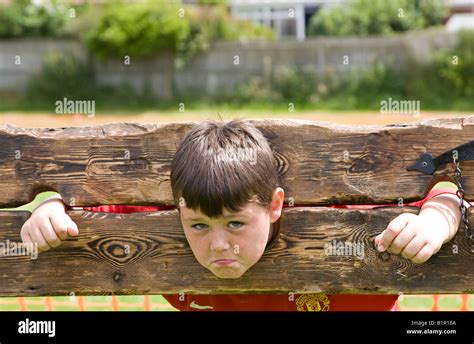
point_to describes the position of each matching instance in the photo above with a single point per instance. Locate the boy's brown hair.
(221, 165)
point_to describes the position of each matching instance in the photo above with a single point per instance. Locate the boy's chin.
(228, 273)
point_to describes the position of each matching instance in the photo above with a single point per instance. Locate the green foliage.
(213, 2)
(365, 87)
(62, 76)
(292, 84)
(377, 17)
(138, 29)
(212, 24)
(295, 84)
(144, 29)
(85, 17)
(23, 19)
(255, 90)
(432, 12)
(446, 81)
(456, 67)
(448, 75)
(362, 88)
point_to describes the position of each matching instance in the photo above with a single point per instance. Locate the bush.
(377, 17)
(213, 2)
(139, 29)
(446, 81)
(291, 84)
(255, 90)
(456, 67)
(64, 76)
(23, 19)
(209, 24)
(447, 78)
(86, 17)
(61, 76)
(360, 89)
(366, 87)
(295, 84)
(145, 29)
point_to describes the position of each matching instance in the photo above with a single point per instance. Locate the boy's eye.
(199, 226)
(235, 224)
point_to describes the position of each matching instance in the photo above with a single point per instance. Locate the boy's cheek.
(199, 254)
(197, 250)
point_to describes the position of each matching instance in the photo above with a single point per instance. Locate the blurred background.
(90, 62)
(360, 61)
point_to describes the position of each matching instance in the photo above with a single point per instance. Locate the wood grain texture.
(147, 253)
(319, 163)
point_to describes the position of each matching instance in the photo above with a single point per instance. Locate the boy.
(225, 186)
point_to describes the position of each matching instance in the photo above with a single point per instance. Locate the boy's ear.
(276, 205)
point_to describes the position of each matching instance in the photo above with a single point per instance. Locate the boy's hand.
(418, 237)
(48, 225)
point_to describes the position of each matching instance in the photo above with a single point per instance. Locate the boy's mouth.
(223, 262)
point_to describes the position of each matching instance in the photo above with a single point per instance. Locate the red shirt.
(277, 302)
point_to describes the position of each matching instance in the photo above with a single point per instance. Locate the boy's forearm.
(446, 208)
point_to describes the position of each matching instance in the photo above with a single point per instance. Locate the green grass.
(66, 309)
(118, 106)
(449, 302)
(13, 307)
(407, 302)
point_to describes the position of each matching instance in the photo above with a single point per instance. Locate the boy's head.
(225, 184)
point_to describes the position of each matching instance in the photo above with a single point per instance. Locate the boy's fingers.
(24, 231)
(37, 237)
(393, 229)
(64, 226)
(72, 229)
(377, 240)
(49, 234)
(60, 226)
(25, 236)
(413, 247)
(402, 239)
(424, 254)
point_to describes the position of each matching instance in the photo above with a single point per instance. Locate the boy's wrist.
(442, 217)
(54, 198)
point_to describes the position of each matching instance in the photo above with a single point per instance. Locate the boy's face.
(228, 246)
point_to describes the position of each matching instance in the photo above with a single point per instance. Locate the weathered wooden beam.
(320, 163)
(147, 253)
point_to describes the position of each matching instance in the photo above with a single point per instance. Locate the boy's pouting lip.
(232, 243)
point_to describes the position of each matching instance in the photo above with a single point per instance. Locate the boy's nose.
(219, 241)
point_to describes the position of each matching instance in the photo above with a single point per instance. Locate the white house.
(286, 18)
(289, 19)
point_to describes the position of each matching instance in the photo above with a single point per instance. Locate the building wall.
(226, 64)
